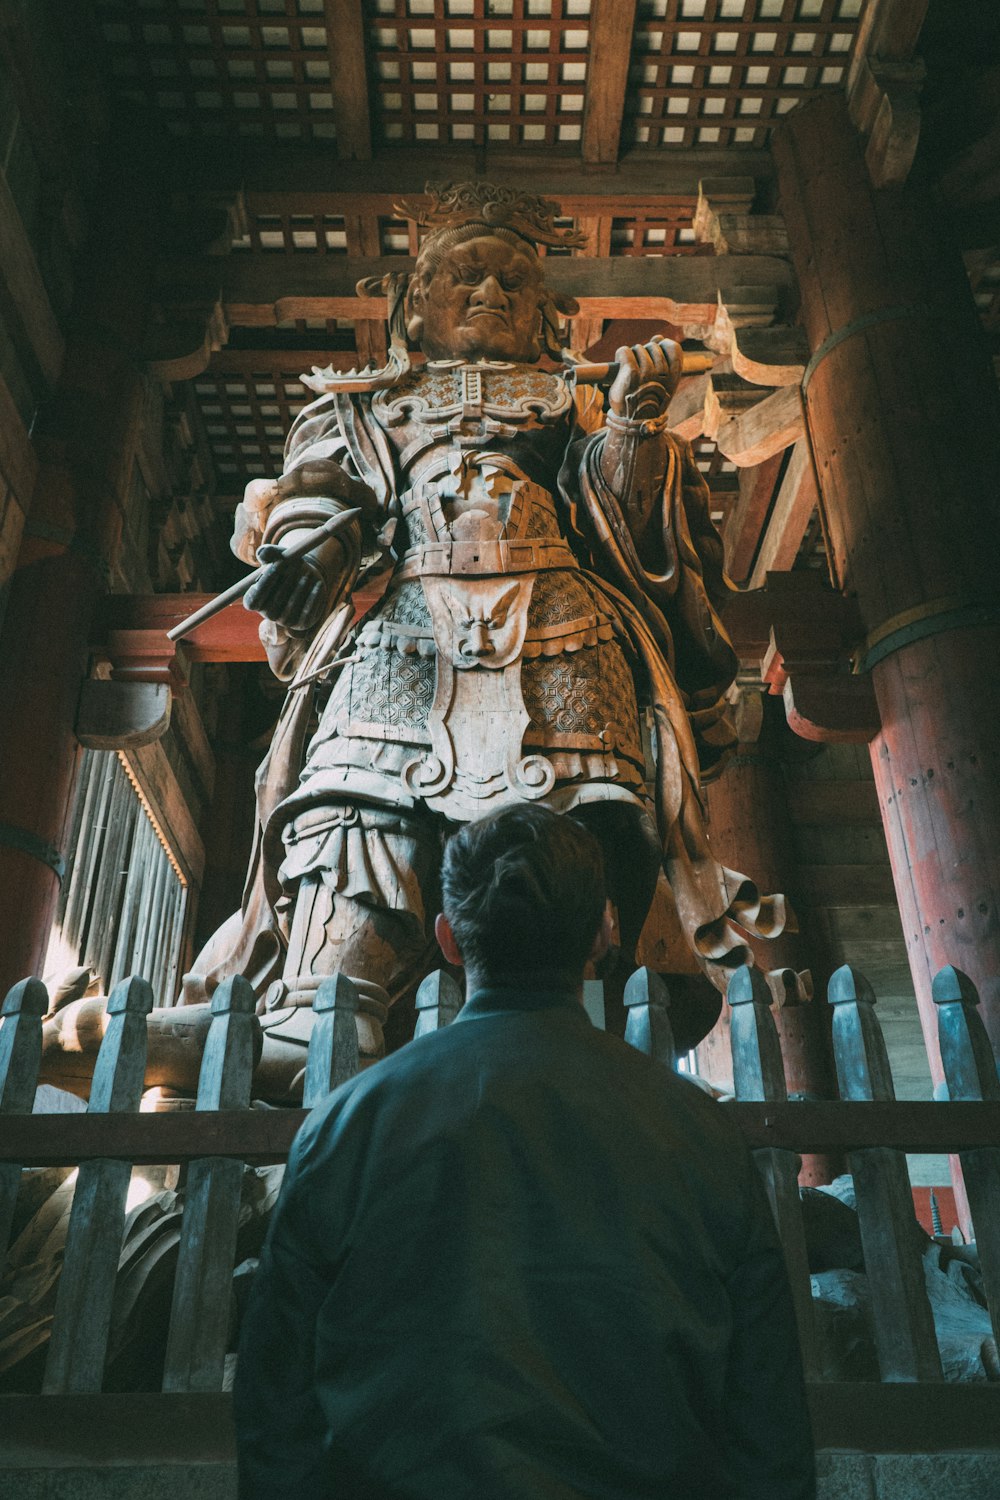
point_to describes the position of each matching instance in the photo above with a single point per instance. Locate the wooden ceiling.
(331, 109)
(524, 73)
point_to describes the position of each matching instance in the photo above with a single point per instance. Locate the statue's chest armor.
(472, 406)
(491, 650)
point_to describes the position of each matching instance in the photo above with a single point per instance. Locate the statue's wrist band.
(641, 426)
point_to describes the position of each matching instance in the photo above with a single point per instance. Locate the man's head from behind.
(523, 897)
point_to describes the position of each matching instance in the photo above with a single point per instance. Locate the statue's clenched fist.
(292, 593)
(647, 378)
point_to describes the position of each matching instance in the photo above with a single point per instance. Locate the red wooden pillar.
(904, 419)
(749, 828)
(86, 437)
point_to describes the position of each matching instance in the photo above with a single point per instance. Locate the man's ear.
(603, 936)
(446, 941)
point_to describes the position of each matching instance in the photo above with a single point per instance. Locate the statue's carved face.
(482, 302)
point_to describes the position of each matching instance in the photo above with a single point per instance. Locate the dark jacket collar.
(492, 999)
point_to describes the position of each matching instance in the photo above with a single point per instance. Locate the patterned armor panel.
(494, 667)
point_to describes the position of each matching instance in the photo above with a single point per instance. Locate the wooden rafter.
(611, 24)
(345, 45)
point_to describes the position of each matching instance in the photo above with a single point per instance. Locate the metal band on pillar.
(933, 618)
(859, 325)
(12, 837)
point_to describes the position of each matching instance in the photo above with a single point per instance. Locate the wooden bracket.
(883, 87)
(191, 329)
(122, 715)
(801, 634)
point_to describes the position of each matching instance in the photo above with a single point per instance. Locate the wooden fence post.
(439, 1000)
(904, 1326)
(647, 1026)
(79, 1341)
(333, 1047)
(759, 1074)
(202, 1300)
(971, 1072)
(20, 1055)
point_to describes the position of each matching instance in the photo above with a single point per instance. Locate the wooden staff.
(691, 364)
(297, 549)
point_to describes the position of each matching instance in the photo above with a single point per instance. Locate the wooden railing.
(221, 1133)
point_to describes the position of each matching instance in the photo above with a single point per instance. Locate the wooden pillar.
(85, 437)
(904, 419)
(749, 827)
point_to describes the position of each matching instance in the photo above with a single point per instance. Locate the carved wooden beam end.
(883, 88)
(801, 634)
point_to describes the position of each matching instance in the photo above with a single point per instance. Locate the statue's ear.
(564, 304)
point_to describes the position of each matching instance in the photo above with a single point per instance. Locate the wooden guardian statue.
(552, 571)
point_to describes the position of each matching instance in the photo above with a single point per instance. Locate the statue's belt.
(484, 557)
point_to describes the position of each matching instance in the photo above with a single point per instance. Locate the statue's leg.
(363, 897)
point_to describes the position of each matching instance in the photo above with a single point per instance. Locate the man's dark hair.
(524, 891)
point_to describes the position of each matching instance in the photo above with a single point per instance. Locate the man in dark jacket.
(518, 1259)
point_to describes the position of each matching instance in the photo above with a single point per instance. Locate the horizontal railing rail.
(264, 1137)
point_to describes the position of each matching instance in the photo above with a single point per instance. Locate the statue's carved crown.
(455, 204)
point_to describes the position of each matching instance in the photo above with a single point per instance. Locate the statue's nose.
(478, 642)
(489, 293)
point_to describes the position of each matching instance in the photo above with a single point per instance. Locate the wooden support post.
(201, 1312)
(439, 1000)
(758, 1074)
(84, 1301)
(20, 1055)
(890, 1237)
(750, 827)
(904, 418)
(333, 1046)
(648, 1028)
(970, 1070)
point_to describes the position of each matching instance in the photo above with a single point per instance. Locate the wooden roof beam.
(611, 26)
(259, 291)
(402, 171)
(349, 79)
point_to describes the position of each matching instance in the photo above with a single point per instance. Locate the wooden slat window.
(121, 907)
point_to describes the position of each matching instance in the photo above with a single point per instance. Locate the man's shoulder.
(557, 1048)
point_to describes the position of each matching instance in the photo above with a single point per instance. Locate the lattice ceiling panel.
(507, 72)
(722, 72)
(251, 68)
(246, 414)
